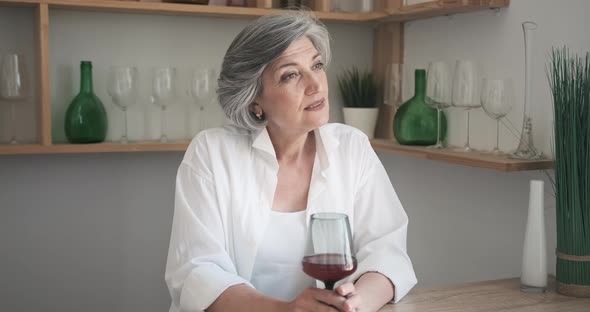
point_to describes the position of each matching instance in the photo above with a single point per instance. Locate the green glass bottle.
(415, 123)
(86, 118)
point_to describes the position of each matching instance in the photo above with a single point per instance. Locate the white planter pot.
(364, 119)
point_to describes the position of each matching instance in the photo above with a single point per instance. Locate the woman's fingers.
(346, 289)
(352, 303)
(329, 297)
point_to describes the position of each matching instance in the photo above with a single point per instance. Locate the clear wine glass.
(392, 92)
(465, 91)
(14, 85)
(329, 255)
(202, 90)
(163, 93)
(496, 100)
(438, 92)
(122, 88)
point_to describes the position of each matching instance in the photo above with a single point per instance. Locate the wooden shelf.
(388, 48)
(440, 8)
(404, 13)
(186, 9)
(466, 159)
(108, 147)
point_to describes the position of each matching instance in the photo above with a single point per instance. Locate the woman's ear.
(257, 110)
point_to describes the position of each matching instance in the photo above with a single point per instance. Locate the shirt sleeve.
(380, 227)
(198, 268)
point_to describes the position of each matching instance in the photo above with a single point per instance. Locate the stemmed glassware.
(438, 92)
(122, 88)
(496, 96)
(163, 93)
(202, 90)
(465, 91)
(392, 92)
(14, 85)
(329, 256)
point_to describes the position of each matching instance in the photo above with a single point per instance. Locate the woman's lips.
(316, 105)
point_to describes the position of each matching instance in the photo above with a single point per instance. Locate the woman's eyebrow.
(294, 64)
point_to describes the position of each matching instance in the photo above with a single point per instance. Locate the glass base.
(464, 149)
(497, 152)
(164, 139)
(532, 289)
(438, 145)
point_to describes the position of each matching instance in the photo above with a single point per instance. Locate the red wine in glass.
(329, 249)
(329, 268)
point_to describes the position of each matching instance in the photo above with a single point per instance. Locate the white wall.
(90, 232)
(466, 223)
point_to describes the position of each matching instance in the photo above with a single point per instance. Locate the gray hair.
(254, 48)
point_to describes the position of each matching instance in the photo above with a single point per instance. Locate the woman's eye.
(288, 76)
(318, 66)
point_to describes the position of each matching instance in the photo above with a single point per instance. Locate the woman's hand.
(353, 298)
(318, 300)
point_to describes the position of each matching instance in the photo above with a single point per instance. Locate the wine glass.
(496, 101)
(122, 88)
(329, 249)
(164, 91)
(392, 92)
(202, 89)
(14, 85)
(465, 91)
(438, 92)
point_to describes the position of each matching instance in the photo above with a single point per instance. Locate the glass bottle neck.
(86, 78)
(420, 83)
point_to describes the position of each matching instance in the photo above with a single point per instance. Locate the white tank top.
(277, 268)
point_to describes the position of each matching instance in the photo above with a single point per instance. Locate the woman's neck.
(291, 147)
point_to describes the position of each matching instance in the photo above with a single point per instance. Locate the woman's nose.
(314, 84)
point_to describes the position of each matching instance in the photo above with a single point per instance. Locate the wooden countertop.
(498, 295)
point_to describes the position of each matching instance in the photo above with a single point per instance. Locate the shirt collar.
(326, 143)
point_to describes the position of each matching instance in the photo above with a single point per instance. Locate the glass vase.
(415, 123)
(86, 118)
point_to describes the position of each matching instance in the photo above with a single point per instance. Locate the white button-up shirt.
(224, 192)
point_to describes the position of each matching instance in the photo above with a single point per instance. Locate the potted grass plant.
(359, 98)
(569, 79)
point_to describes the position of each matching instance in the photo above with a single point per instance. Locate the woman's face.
(294, 95)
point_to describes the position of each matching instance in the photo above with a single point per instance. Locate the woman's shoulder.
(217, 140)
(346, 135)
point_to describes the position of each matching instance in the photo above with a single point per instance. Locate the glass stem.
(438, 125)
(163, 137)
(329, 285)
(13, 118)
(467, 144)
(124, 138)
(498, 135)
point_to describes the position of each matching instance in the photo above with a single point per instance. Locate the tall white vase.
(534, 253)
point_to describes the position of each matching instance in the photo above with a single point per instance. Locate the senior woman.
(245, 192)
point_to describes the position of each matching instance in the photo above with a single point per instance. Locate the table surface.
(497, 295)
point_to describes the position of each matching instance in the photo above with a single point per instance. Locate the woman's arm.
(380, 229)
(371, 292)
(245, 299)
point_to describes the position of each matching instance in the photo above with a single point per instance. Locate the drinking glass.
(329, 249)
(438, 92)
(163, 93)
(392, 92)
(122, 88)
(202, 90)
(465, 91)
(496, 101)
(14, 85)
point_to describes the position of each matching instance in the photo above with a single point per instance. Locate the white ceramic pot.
(364, 119)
